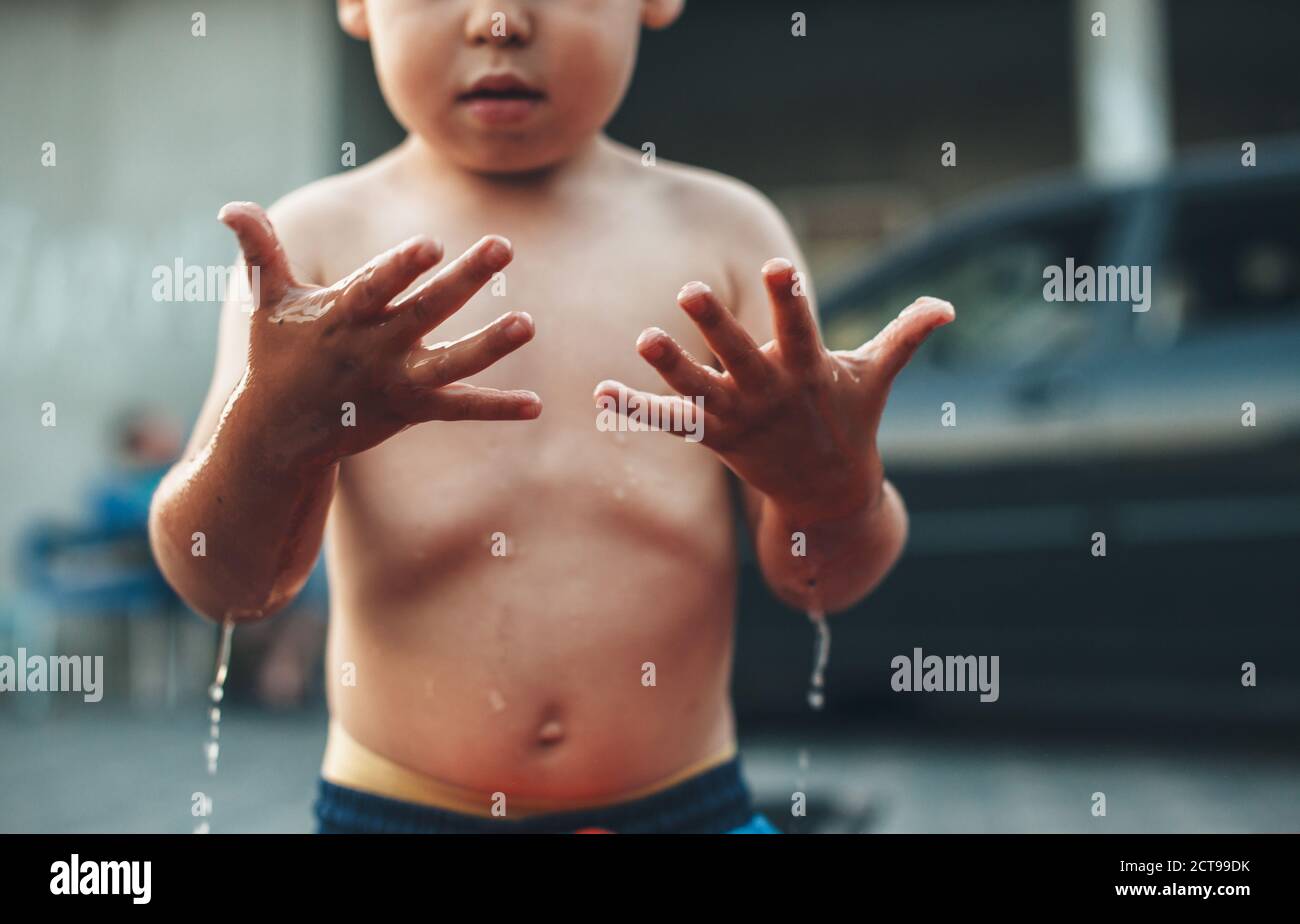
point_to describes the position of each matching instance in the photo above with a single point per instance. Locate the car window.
(1233, 258)
(995, 281)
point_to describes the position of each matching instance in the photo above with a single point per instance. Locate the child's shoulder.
(726, 214)
(308, 219)
(710, 197)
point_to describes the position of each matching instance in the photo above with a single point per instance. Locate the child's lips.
(501, 98)
(498, 111)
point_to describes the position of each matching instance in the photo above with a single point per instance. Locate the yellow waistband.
(350, 763)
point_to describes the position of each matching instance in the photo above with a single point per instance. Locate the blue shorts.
(716, 801)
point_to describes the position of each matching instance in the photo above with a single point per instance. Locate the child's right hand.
(336, 370)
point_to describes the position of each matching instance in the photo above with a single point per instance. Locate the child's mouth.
(501, 98)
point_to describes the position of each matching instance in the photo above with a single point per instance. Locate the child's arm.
(797, 423)
(313, 375)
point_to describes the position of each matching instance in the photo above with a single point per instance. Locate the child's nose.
(498, 22)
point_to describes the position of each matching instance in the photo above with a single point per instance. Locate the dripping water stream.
(821, 654)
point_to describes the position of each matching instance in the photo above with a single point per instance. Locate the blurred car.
(1079, 418)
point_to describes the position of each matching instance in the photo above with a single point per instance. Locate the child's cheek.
(593, 68)
(413, 73)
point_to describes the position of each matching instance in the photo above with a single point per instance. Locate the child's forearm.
(842, 560)
(236, 529)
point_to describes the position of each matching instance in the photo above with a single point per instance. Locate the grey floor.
(107, 771)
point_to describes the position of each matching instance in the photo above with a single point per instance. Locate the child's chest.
(591, 289)
(591, 292)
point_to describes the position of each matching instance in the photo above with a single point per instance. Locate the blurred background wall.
(153, 129)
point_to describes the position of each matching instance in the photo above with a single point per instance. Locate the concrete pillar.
(1123, 86)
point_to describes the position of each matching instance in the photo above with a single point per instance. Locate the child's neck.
(424, 162)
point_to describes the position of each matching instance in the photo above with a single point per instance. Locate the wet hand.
(318, 353)
(794, 420)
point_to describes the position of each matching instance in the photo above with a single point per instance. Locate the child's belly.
(537, 609)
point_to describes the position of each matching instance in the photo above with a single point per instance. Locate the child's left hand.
(794, 420)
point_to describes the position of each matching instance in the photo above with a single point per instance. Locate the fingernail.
(497, 249)
(650, 344)
(532, 406)
(421, 246)
(776, 264)
(691, 293)
(226, 210)
(518, 329)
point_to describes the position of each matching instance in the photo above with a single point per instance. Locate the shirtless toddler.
(502, 570)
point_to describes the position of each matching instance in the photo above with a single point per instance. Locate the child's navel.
(551, 733)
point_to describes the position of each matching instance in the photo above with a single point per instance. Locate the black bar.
(544, 873)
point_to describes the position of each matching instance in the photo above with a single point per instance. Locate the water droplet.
(821, 654)
(217, 692)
